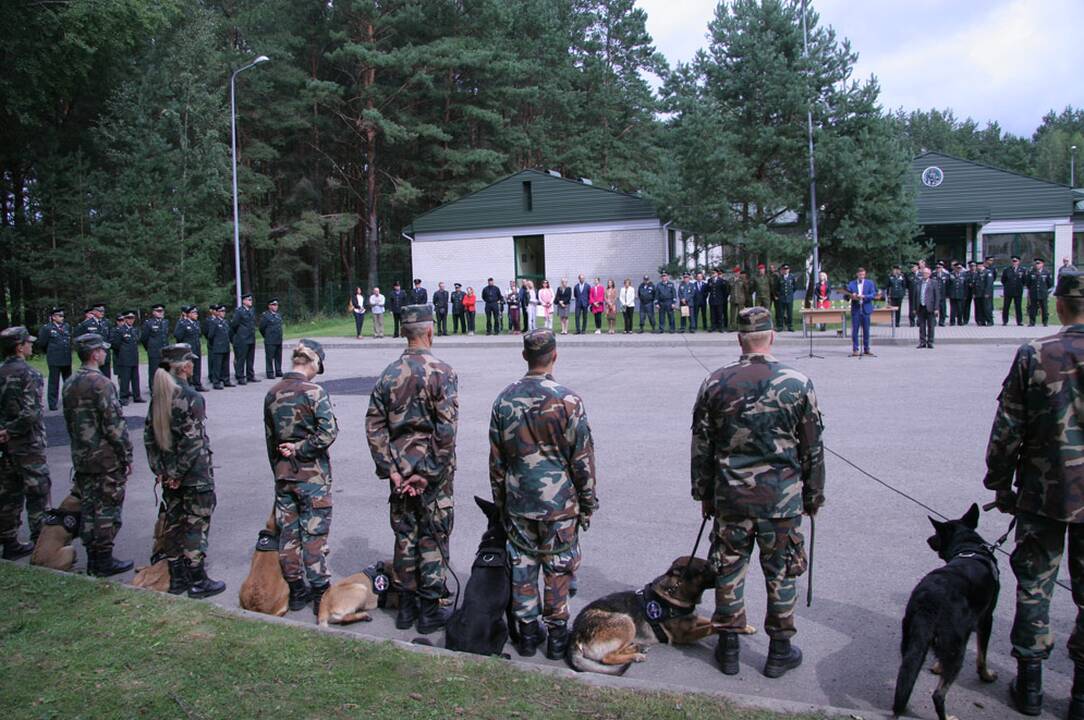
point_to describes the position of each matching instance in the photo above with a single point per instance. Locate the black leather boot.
(179, 581)
(557, 642)
(299, 594)
(203, 586)
(408, 610)
(1076, 702)
(317, 595)
(13, 549)
(782, 656)
(1027, 689)
(531, 636)
(433, 616)
(727, 653)
(103, 564)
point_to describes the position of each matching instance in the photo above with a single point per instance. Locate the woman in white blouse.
(376, 309)
(532, 305)
(627, 299)
(357, 305)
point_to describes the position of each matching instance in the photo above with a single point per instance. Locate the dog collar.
(380, 580)
(69, 520)
(267, 542)
(658, 610)
(983, 553)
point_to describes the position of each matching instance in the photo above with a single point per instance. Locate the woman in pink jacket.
(545, 299)
(597, 300)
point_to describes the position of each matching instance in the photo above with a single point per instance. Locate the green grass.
(74, 648)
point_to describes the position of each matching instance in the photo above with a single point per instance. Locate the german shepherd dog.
(348, 600)
(613, 632)
(481, 625)
(264, 590)
(54, 546)
(946, 607)
(156, 575)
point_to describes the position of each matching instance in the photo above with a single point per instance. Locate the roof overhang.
(1011, 227)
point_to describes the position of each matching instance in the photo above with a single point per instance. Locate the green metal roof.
(554, 201)
(971, 192)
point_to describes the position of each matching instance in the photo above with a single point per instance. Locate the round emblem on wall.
(932, 176)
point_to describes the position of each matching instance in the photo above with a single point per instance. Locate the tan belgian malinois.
(54, 546)
(348, 600)
(264, 590)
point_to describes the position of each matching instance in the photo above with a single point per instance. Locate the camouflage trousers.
(556, 549)
(101, 497)
(421, 540)
(23, 480)
(782, 560)
(186, 521)
(1040, 543)
(303, 514)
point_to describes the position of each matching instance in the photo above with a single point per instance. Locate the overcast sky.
(1008, 61)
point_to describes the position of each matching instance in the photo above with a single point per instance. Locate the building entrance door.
(530, 257)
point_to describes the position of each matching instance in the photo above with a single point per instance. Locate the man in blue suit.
(861, 292)
(582, 294)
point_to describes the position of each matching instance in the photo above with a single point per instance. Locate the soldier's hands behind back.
(707, 507)
(1005, 501)
(286, 449)
(583, 522)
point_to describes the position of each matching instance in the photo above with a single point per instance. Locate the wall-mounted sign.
(932, 176)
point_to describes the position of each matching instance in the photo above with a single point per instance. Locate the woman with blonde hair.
(545, 301)
(179, 454)
(611, 306)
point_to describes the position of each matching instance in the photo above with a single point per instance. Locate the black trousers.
(581, 319)
(152, 364)
(244, 360)
(359, 323)
(700, 314)
(980, 310)
(128, 382)
(57, 374)
(1007, 302)
(688, 322)
(220, 368)
(897, 303)
(648, 313)
(272, 357)
(627, 312)
(955, 316)
(927, 321)
(965, 313)
(442, 322)
(459, 323)
(942, 312)
(784, 313)
(493, 321)
(1035, 307)
(988, 309)
(598, 320)
(470, 320)
(197, 371)
(107, 366)
(395, 324)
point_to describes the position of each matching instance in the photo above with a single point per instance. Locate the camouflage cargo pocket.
(796, 559)
(444, 515)
(112, 489)
(318, 521)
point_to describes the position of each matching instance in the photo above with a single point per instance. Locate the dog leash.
(1012, 525)
(696, 546)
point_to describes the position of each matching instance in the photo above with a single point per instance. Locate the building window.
(1025, 245)
(528, 201)
(1078, 250)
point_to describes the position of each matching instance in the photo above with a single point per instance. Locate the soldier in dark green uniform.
(740, 290)
(1039, 283)
(188, 331)
(55, 343)
(24, 474)
(217, 331)
(757, 465)
(785, 286)
(1036, 438)
(762, 288)
(300, 427)
(125, 342)
(243, 337)
(896, 289)
(101, 455)
(179, 454)
(957, 291)
(154, 335)
(411, 427)
(271, 332)
(542, 471)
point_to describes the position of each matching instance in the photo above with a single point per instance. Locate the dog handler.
(1036, 437)
(300, 426)
(542, 470)
(101, 454)
(179, 454)
(411, 427)
(757, 465)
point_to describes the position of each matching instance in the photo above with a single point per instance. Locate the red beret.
(760, 266)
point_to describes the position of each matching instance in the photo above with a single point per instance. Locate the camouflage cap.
(754, 319)
(176, 353)
(316, 348)
(14, 336)
(90, 341)
(539, 342)
(1070, 284)
(416, 314)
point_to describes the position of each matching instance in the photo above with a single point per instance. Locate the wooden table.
(880, 316)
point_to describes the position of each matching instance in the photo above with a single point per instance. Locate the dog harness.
(983, 553)
(267, 542)
(380, 580)
(69, 520)
(658, 610)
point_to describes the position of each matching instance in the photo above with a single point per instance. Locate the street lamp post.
(1072, 166)
(812, 164)
(233, 147)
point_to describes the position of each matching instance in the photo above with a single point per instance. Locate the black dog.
(947, 606)
(481, 625)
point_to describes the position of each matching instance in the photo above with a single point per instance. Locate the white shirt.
(359, 308)
(376, 304)
(627, 296)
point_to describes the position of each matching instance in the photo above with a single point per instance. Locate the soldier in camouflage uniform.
(179, 454)
(542, 470)
(740, 289)
(411, 427)
(300, 427)
(95, 322)
(101, 454)
(757, 465)
(24, 475)
(1037, 438)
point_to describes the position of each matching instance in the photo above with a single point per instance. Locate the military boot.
(557, 642)
(531, 636)
(317, 595)
(179, 581)
(299, 594)
(13, 549)
(408, 610)
(782, 656)
(1027, 689)
(203, 586)
(433, 616)
(101, 563)
(727, 653)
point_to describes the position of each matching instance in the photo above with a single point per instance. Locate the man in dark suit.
(582, 295)
(271, 332)
(419, 295)
(718, 295)
(154, 335)
(459, 316)
(492, 296)
(1013, 280)
(861, 292)
(55, 342)
(785, 285)
(440, 309)
(942, 276)
(930, 294)
(969, 293)
(700, 310)
(1039, 283)
(243, 336)
(217, 331)
(187, 330)
(984, 291)
(397, 300)
(125, 344)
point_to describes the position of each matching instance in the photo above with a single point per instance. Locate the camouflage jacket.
(21, 412)
(541, 455)
(298, 411)
(756, 448)
(739, 291)
(762, 286)
(189, 460)
(412, 418)
(99, 434)
(1037, 433)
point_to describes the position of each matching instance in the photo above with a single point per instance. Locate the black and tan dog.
(613, 632)
(348, 600)
(948, 605)
(54, 546)
(264, 590)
